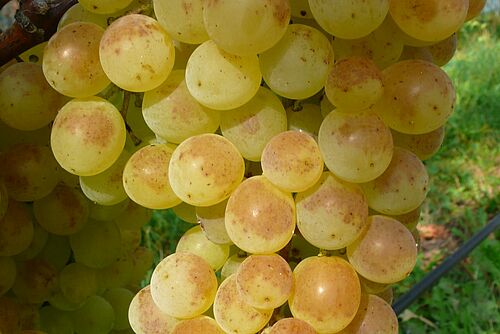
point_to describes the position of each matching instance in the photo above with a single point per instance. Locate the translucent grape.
(211, 220)
(40, 237)
(53, 320)
(104, 7)
(443, 51)
(220, 80)
(292, 326)
(137, 123)
(142, 261)
(297, 66)
(134, 217)
(35, 54)
(201, 324)
(56, 251)
(308, 119)
(327, 293)
(77, 13)
(183, 285)
(475, 8)
(10, 136)
(136, 53)
(260, 218)
(401, 188)
(409, 219)
(205, 169)
(36, 281)
(146, 318)
(117, 274)
(385, 252)
(130, 240)
(77, 282)
(27, 102)
(71, 60)
(430, 20)
(423, 145)
(16, 229)
(232, 264)
(120, 299)
(387, 295)
(233, 314)
(246, 27)
(65, 211)
(326, 106)
(108, 212)
(418, 97)
(96, 316)
(349, 19)
(173, 114)
(186, 212)
(410, 52)
(355, 147)
(300, 8)
(8, 274)
(88, 136)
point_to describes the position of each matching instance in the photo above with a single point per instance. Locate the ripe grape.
(307, 119)
(108, 212)
(53, 320)
(57, 251)
(142, 260)
(8, 273)
(95, 316)
(443, 51)
(186, 212)
(423, 145)
(232, 264)
(77, 282)
(77, 13)
(36, 281)
(40, 237)
(201, 324)
(120, 299)
(134, 217)
(292, 326)
(211, 220)
(16, 229)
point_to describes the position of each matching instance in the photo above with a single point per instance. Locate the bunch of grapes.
(291, 133)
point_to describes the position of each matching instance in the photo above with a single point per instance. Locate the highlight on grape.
(290, 133)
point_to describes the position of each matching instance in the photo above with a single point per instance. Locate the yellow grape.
(354, 84)
(104, 6)
(35, 54)
(182, 19)
(88, 136)
(183, 285)
(252, 125)
(40, 237)
(137, 123)
(349, 19)
(332, 214)
(401, 188)
(136, 53)
(16, 229)
(142, 261)
(475, 8)
(232, 264)
(173, 114)
(36, 281)
(423, 145)
(205, 169)
(186, 212)
(246, 27)
(145, 177)
(53, 320)
(264, 281)
(95, 316)
(370, 287)
(385, 252)
(117, 274)
(327, 293)
(443, 51)
(387, 295)
(409, 219)
(411, 52)
(201, 324)
(211, 220)
(29, 171)
(8, 274)
(356, 147)
(194, 241)
(134, 217)
(292, 161)
(56, 251)
(297, 66)
(27, 102)
(108, 212)
(307, 119)
(63, 212)
(77, 13)
(146, 318)
(292, 326)
(71, 60)
(430, 20)
(77, 282)
(260, 218)
(220, 80)
(300, 8)
(130, 240)
(233, 314)
(120, 299)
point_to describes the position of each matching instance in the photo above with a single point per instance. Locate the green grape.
(371, 287)
(69, 180)
(97, 245)
(117, 274)
(10, 136)
(71, 60)
(418, 97)
(300, 249)
(349, 19)
(104, 6)
(35, 54)
(96, 316)
(16, 229)
(252, 125)
(120, 299)
(142, 261)
(63, 212)
(385, 252)
(246, 27)
(131, 239)
(233, 314)
(201, 324)
(56, 251)
(40, 237)
(183, 52)
(443, 51)
(137, 123)
(77, 13)
(60, 302)
(186, 212)
(173, 114)
(29, 171)
(182, 19)
(300, 8)
(4, 199)
(354, 84)
(134, 217)
(136, 53)
(401, 188)
(108, 212)
(430, 20)
(292, 161)
(475, 8)
(375, 315)
(88, 136)
(145, 177)
(183, 285)
(423, 145)
(232, 264)
(27, 102)
(78, 282)
(36, 281)
(264, 281)
(307, 119)
(211, 220)
(326, 107)
(252, 168)
(220, 80)
(194, 241)
(409, 219)
(356, 147)
(297, 66)
(260, 218)
(410, 52)
(146, 318)
(106, 188)
(205, 169)
(8, 274)
(292, 326)
(323, 284)
(332, 214)
(53, 320)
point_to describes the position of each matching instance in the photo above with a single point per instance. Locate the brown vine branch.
(36, 21)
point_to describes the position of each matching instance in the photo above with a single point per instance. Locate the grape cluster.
(291, 133)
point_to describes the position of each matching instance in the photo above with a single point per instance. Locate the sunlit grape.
(232, 264)
(77, 13)
(104, 7)
(211, 220)
(201, 324)
(292, 326)
(16, 229)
